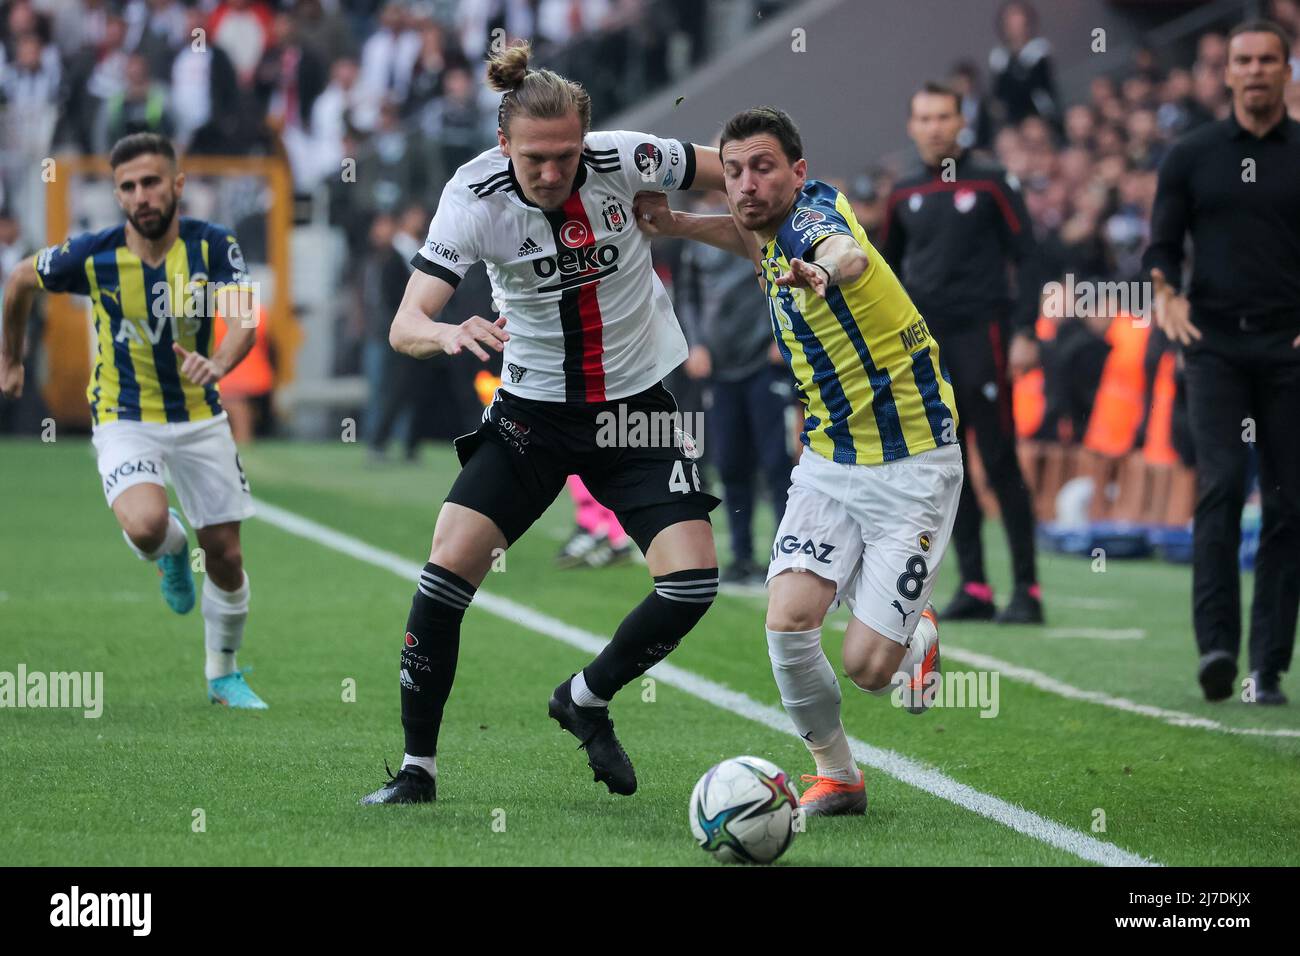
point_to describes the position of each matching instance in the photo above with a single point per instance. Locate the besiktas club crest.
(614, 214)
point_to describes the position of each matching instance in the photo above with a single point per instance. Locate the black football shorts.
(630, 453)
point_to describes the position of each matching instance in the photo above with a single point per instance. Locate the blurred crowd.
(321, 79)
(1087, 170)
(395, 87)
(372, 103)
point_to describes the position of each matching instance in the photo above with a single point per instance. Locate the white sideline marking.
(1100, 633)
(1027, 675)
(1085, 603)
(909, 771)
(1175, 718)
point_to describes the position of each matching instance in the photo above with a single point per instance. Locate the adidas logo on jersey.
(529, 248)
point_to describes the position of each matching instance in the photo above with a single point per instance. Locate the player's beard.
(156, 227)
(772, 222)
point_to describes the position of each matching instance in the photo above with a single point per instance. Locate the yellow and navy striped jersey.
(140, 310)
(866, 367)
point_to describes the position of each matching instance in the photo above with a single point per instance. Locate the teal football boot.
(233, 691)
(177, 578)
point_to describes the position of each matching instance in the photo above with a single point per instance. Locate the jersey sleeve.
(648, 162)
(452, 245)
(812, 221)
(226, 264)
(62, 268)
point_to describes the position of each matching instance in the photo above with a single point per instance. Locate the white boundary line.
(1175, 718)
(909, 771)
(1046, 682)
(1097, 633)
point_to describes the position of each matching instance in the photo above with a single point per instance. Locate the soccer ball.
(744, 810)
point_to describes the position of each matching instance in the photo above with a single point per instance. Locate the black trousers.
(977, 365)
(1237, 379)
(747, 432)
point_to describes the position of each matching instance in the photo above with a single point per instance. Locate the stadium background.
(324, 132)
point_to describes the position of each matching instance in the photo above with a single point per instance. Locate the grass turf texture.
(280, 787)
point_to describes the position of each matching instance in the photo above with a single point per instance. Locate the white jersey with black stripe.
(588, 318)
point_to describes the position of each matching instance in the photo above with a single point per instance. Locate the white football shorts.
(877, 531)
(199, 459)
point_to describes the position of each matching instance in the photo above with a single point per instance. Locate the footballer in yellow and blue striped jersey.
(866, 366)
(874, 495)
(156, 285)
(140, 310)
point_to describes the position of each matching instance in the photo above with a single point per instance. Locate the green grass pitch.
(281, 786)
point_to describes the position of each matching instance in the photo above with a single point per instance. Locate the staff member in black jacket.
(1235, 186)
(954, 229)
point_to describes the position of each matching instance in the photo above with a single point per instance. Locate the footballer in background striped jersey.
(156, 284)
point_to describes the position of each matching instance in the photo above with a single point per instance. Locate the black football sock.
(429, 653)
(654, 627)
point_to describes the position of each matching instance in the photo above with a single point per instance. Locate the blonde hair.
(540, 94)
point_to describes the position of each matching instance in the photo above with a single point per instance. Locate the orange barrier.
(485, 385)
(1149, 486)
(1159, 447)
(1117, 409)
(254, 375)
(1028, 398)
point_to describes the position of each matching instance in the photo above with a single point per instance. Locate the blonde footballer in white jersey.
(588, 333)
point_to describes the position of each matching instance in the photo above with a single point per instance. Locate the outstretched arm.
(657, 219)
(19, 292)
(416, 332)
(837, 260)
(708, 169)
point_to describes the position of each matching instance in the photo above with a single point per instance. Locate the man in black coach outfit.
(953, 231)
(1235, 186)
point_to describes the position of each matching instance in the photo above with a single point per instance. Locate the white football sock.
(581, 693)
(175, 540)
(224, 614)
(428, 764)
(810, 694)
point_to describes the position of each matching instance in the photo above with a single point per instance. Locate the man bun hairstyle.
(538, 94)
(765, 119)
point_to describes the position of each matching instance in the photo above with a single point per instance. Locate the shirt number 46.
(677, 480)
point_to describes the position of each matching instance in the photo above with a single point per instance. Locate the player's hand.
(473, 331)
(1173, 314)
(11, 376)
(1023, 355)
(699, 364)
(199, 369)
(804, 275)
(652, 213)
